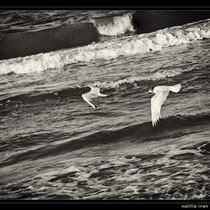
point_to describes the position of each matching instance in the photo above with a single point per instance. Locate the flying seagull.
(161, 93)
(93, 93)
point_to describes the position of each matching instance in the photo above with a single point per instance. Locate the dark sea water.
(54, 146)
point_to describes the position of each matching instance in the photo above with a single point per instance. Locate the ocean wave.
(37, 96)
(43, 38)
(173, 127)
(68, 29)
(133, 81)
(125, 46)
(47, 40)
(136, 80)
(114, 25)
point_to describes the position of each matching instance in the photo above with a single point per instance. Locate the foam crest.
(117, 26)
(133, 80)
(29, 64)
(125, 46)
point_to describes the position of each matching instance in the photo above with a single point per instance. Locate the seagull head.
(151, 90)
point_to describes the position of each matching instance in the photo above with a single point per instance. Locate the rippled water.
(54, 146)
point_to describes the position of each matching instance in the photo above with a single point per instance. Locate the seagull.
(161, 93)
(93, 93)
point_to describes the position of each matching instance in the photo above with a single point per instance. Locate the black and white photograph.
(102, 104)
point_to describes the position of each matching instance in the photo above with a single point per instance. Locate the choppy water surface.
(54, 146)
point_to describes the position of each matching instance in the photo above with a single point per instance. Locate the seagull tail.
(175, 88)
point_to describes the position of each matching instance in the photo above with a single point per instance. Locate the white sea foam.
(125, 46)
(119, 25)
(134, 79)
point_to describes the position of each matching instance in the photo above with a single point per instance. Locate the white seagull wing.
(156, 102)
(87, 97)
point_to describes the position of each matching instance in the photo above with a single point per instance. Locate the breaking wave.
(115, 25)
(125, 46)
